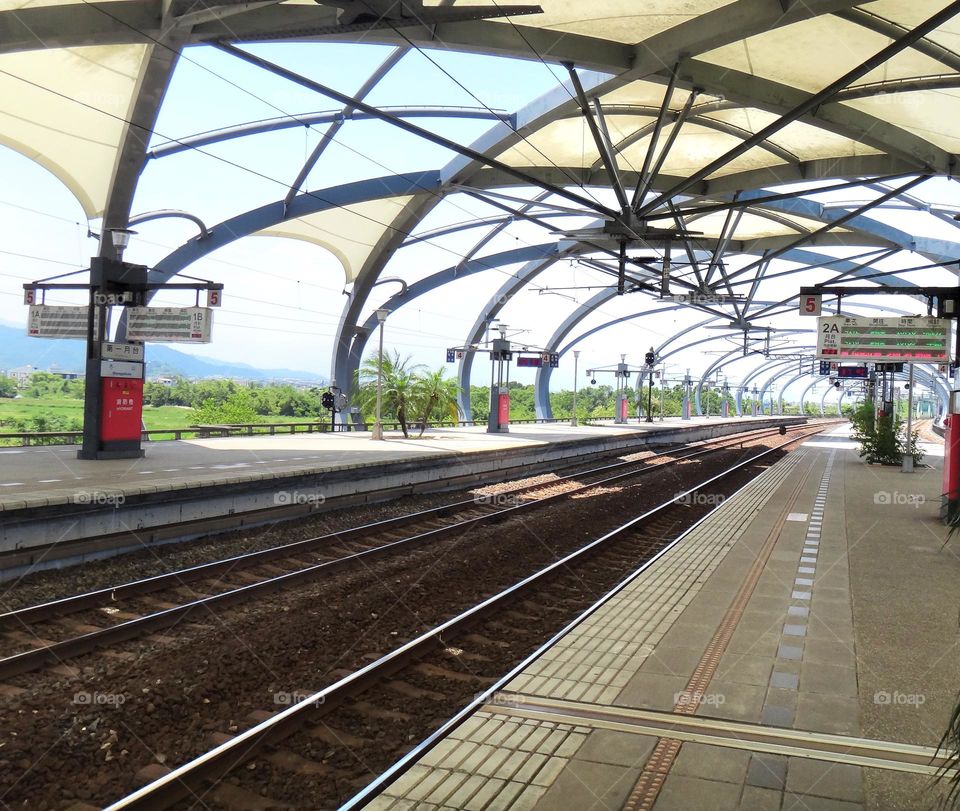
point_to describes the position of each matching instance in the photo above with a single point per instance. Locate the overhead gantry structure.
(730, 153)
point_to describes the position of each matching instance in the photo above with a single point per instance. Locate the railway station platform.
(53, 503)
(797, 650)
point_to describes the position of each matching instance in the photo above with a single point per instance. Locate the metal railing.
(30, 438)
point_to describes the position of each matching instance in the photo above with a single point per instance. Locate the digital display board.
(46, 321)
(915, 339)
(852, 372)
(551, 359)
(169, 324)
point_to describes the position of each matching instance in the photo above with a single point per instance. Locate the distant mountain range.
(16, 350)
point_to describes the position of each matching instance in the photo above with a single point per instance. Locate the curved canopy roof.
(745, 146)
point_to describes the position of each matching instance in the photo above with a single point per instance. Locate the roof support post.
(600, 136)
(678, 123)
(646, 175)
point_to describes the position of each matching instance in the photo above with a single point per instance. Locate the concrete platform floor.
(844, 595)
(51, 472)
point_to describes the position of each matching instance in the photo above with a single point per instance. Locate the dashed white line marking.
(49, 481)
(11, 484)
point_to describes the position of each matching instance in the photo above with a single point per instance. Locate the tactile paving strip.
(597, 658)
(491, 761)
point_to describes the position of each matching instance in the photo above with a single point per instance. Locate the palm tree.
(436, 393)
(399, 381)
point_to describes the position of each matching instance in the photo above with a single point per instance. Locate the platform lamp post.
(382, 314)
(576, 358)
(651, 359)
(906, 462)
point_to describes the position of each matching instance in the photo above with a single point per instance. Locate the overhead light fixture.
(120, 237)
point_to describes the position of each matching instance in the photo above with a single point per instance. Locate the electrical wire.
(245, 90)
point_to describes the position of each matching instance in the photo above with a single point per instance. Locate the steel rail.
(59, 652)
(124, 540)
(110, 595)
(190, 777)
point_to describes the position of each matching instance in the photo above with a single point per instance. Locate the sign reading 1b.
(169, 324)
(892, 340)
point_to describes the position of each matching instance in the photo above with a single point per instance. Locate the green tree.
(437, 395)
(237, 409)
(8, 387)
(399, 396)
(881, 437)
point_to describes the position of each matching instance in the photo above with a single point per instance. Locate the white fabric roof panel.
(803, 140)
(650, 94)
(566, 142)
(696, 147)
(349, 233)
(931, 114)
(624, 21)
(809, 55)
(74, 127)
(910, 13)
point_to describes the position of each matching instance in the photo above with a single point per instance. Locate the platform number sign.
(29, 295)
(214, 298)
(811, 305)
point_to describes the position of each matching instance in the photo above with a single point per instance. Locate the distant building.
(56, 370)
(22, 375)
(165, 381)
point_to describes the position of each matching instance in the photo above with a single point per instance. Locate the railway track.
(316, 744)
(84, 623)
